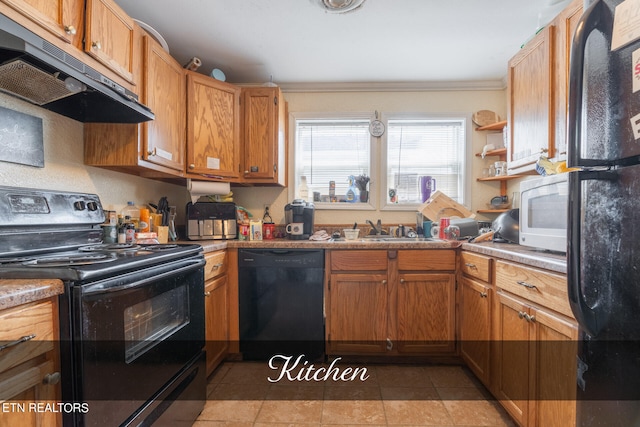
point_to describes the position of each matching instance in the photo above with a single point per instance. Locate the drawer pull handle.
(483, 294)
(51, 379)
(216, 266)
(18, 341)
(389, 344)
(526, 285)
(470, 265)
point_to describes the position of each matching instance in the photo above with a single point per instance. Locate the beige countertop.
(344, 244)
(15, 292)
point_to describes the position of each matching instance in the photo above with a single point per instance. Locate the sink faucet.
(375, 229)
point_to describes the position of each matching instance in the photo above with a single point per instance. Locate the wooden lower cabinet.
(358, 312)
(389, 302)
(534, 363)
(216, 308)
(29, 369)
(475, 326)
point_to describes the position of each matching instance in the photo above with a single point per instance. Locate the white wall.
(254, 199)
(64, 168)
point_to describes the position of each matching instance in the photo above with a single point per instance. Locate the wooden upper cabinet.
(62, 18)
(530, 103)
(110, 37)
(164, 91)
(565, 24)
(213, 128)
(264, 144)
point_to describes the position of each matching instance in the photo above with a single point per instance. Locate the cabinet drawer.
(28, 331)
(474, 265)
(354, 260)
(427, 260)
(541, 287)
(216, 264)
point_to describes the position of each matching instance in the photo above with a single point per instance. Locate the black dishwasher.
(281, 303)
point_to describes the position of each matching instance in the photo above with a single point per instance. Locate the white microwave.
(544, 213)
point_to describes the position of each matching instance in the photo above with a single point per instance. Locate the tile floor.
(239, 395)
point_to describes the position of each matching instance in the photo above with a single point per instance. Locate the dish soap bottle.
(353, 193)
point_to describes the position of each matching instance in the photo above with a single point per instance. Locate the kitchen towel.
(206, 188)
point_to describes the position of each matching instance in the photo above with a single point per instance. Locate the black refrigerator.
(603, 251)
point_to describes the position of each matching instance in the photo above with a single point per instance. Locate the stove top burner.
(110, 247)
(161, 247)
(72, 259)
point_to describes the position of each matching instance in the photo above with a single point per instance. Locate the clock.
(376, 128)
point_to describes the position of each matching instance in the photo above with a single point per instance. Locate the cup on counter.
(426, 228)
(295, 228)
(444, 223)
(110, 233)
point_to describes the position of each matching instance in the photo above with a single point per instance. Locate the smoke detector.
(340, 6)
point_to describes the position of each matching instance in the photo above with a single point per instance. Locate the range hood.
(39, 72)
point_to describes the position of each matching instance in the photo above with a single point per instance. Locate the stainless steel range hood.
(39, 72)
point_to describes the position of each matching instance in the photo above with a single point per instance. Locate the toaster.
(211, 220)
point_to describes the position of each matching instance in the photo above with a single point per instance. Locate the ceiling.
(385, 43)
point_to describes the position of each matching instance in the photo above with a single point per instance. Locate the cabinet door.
(357, 318)
(62, 18)
(165, 93)
(565, 24)
(264, 135)
(110, 37)
(426, 313)
(213, 127)
(554, 385)
(33, 383)
(216, 312)
(475, 327)
(511, 373)
(530, 105)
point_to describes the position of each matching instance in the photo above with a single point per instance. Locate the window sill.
(344, 206)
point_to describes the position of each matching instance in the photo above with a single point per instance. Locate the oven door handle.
(153, 274)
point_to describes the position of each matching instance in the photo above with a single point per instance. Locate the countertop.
(553, 261)
(14, 292)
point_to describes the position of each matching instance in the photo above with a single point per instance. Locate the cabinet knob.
(521, 314)
(401, 280)
(96, 45)
(544, 150)
(51, 379)
(384, 281)
(192, 166)
(246, 172)
(207, 294)
(70, 29)
(529, 318)
(152, 152)
(389, 344)
(483, 294)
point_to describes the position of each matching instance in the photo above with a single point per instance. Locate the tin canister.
(268, 230)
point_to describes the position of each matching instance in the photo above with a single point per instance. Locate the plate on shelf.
(485, 117)
(156, 35)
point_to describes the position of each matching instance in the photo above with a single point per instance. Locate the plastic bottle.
(131, 211)
(353, 193)
(143, 225)
(303, 189)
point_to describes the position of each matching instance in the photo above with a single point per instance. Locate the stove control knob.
(92, 206)
(79, 205)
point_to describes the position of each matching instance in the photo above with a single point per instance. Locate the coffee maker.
(302, 212)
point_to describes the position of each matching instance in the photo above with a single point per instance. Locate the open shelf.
(493, 126)
(499, 178)
(497, 152)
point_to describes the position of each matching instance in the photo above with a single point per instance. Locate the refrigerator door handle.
(592, 319)
(590, 21)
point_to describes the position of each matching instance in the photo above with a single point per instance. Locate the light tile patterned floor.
(239, 395)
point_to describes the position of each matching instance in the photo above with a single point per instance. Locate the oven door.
(132, 335)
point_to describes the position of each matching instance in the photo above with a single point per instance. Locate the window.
(332, 149)
(424, 154)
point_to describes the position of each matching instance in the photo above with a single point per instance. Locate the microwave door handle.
(589, 22)
(594, 318)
